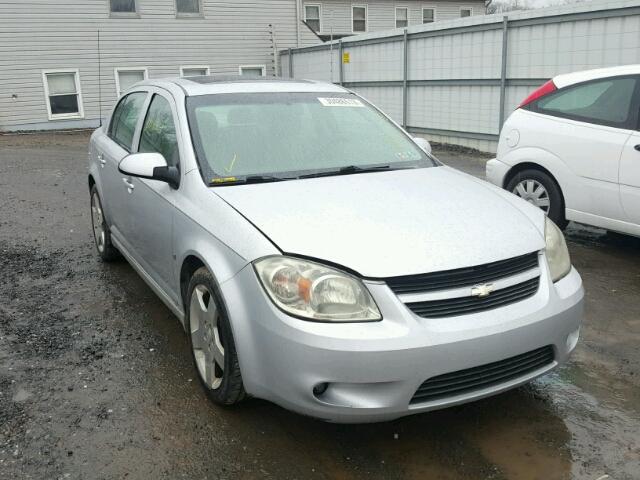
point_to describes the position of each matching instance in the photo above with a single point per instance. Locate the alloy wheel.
(97, 221)
(208, 350)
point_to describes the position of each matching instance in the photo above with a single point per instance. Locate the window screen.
(159, 131)
(188, 6)
(359, 19)
(123, 6)
(312, 16)
(402, 17)
(63, 94)
(251, 71)
(465, 12)
(194, 72)
(428, 15)
(127, 78)
(605, 102)
(125, 119)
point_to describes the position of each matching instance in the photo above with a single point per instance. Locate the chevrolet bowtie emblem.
(482, 290)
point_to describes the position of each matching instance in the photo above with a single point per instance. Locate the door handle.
(130, 186)
(101, 160)
(637, 147)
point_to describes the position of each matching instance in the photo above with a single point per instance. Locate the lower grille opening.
(477, 378)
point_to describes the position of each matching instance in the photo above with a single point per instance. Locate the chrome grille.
(477, 378)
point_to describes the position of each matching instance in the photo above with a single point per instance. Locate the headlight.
(556, 250)
(315, 292)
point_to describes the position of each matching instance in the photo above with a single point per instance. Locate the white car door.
(630, 179)
(587, 126)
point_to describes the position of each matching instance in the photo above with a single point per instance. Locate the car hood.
(393, 223)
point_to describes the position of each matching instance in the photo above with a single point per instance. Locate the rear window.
(604, 102)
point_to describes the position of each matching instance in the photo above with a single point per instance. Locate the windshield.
(276, 136)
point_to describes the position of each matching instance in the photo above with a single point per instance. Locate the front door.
(150, 203)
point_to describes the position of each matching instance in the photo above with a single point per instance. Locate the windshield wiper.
(247, 180)
(349, 170)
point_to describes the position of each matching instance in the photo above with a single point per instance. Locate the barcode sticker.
(340, 102)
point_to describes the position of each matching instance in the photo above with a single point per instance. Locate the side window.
(159, 131)
(604, 102)
(125, 118)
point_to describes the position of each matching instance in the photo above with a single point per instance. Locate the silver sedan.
(320, 257)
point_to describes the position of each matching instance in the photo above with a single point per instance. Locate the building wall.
(63, 34)
(381, 13)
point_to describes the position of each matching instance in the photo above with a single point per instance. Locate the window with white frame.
(466, 12)
(252, 70)
(123, 6)
(62, 91)
(194, 71)
(428, 15)
(189, 7)
(402, 17)
(126, 77)
(312, 16)
(359, 18)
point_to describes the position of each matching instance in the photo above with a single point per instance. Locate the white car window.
(606, 102)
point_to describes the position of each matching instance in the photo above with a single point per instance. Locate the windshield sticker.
(223, 179)
(340, 102)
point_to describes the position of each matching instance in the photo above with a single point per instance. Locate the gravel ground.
(96, 379)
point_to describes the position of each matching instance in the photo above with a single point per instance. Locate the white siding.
(382, 14)
(55, 34)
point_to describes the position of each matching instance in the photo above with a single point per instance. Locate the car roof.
(567, 79)
(210, 84)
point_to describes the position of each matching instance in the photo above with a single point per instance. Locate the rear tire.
(101, 233)
(542, 191)
(211, 340)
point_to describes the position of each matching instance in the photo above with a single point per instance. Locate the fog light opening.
(320, 388)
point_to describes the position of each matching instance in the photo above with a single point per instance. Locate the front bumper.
(374, 369)
(496, 171)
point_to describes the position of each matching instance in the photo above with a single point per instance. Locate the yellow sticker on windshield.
(223, 179)
(340, 102)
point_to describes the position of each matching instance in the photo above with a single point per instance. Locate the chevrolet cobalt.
(320, 257)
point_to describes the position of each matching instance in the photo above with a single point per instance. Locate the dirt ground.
(96, 380)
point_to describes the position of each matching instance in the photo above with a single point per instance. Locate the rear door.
(111, 149)
(587, 127)
(630, 178)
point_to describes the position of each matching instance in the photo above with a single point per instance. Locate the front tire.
(101, 233)
(211, 341)
(542, 191)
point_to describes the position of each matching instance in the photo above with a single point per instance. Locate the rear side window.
(604, 102)
(159, 131)
(125, 119)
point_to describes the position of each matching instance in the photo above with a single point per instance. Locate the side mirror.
(151, 166)
(423, 143)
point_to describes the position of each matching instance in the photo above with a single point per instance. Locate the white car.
(572, 148)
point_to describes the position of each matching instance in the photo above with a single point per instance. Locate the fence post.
(503, 70)
(290, 63)
(405, 68)
(341, 68)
